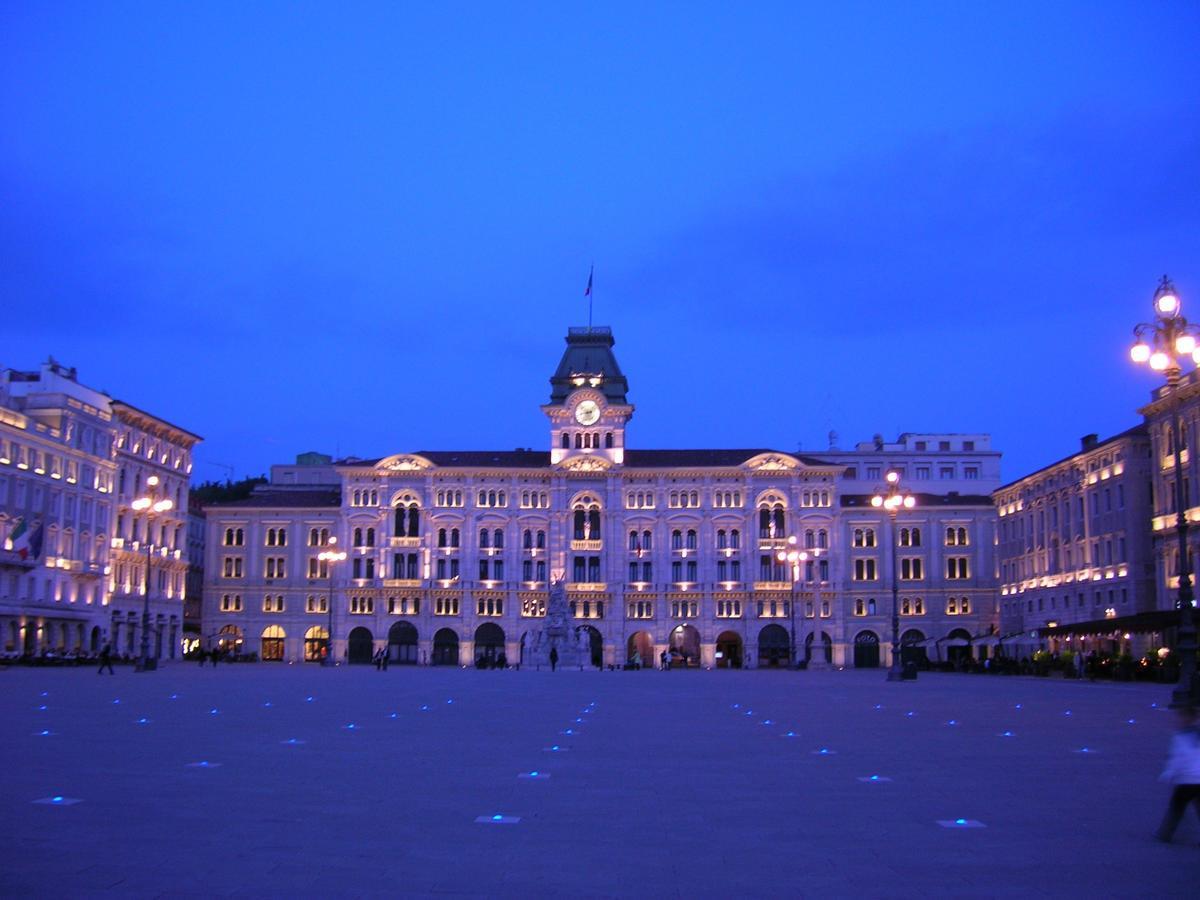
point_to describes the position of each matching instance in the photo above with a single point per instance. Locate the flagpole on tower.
(588, 293)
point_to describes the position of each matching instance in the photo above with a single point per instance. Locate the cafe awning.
(1138, 623)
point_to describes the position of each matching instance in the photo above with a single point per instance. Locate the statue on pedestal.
(574, 647)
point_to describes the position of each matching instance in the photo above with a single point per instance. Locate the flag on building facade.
(26, 541)
(588, 290)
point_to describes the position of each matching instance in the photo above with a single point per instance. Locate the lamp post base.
(895, 675)
(146, 665)
(816, 660)
(327, 663)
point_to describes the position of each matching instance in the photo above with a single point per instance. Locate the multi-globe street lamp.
(150, 504)
(1161, 343)
(329, 557)
(892, 502)
(797, 559)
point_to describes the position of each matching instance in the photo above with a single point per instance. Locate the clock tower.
(587, 409)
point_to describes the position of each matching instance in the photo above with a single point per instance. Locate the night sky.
(364, 229)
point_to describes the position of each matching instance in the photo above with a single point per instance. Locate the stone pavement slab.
(675, 784)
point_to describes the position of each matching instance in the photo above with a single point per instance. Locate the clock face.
(587, 412)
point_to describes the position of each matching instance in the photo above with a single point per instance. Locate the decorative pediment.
(586, 464)
(772, 462)
(404, 462)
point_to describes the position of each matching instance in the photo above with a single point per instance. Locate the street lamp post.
(798, 559)
(892, 502)
(792, 557)
(329, 557)
(151, 505)
(1161, 343)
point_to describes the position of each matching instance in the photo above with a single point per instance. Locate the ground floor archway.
(774, 647)
(402, 644)
(729, 650)
(445, 648)
(97, 636)
(229, 639)
(272, 644)
(866, 650)
(359, 646)
(639, 650)
(489, 642)
(595, 644)
(958, 652)
(316, 644)
(912, 648)
(685, 646)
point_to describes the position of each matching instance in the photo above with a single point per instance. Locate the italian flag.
(26, 541)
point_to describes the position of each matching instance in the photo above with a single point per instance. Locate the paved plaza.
(250, 780)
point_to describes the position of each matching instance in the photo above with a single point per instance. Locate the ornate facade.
(71, 461)
(450, 554)
(1075, 550)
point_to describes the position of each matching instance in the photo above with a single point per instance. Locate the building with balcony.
(153, 461)
(451, 553)
(1074, 554)
(67, 474)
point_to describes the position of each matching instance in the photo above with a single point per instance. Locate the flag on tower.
(588, 290)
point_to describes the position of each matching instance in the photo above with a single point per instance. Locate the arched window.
(370, 537)
(608, 440)
(527, 540)
(735, 539)
(484, 538)
(722, 539)
(541, 540)
(358, 537)
(566, 441)
(578, 441)
(676, 539)
(498, 538)
(453, 537)
(647, 541)
(634, 544)
(691, 539)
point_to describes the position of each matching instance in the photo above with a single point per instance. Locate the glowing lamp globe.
(1196, 356)
(877, 501)
(1139, 352)
(1167, 304)
(893, 477)
(1185, 344)
(1159, 361)
(909, 502)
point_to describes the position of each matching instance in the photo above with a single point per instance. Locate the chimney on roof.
(878, 441)
(1088, 441)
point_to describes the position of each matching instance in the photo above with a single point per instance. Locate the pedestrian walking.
(553, 658)
(665, 661)
(1182, 772)
(385, 659)
(202, 656)
(106, 660)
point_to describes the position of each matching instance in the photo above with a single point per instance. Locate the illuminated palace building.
(78, 472)
(449, 555)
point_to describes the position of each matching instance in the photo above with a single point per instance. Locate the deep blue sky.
(365, 228)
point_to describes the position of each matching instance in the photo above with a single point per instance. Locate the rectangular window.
(956, 568)
(864, 570)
